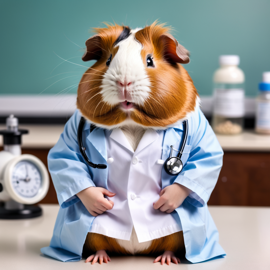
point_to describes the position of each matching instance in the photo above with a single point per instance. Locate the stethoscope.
(172, 165)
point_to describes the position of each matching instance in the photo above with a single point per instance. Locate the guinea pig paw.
(167, 257)
(100, 256)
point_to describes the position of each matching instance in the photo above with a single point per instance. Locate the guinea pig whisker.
(89, 81)
(57, 94)
(62, 73)
(71, 86)
(73, 42)
(101, 109)
(102, 72)
(97, 44)
(94, 73)
(65, 60)
(96, 108)
(97, 70)
(56, 82)
(92, 97)
(88, 91)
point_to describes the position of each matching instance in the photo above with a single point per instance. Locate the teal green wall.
(34, 32)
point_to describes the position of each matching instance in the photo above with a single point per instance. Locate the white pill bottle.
(229, 96)
(263, 106)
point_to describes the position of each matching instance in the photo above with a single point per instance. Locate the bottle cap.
(229, 60)
(265, 84)
(266, 77)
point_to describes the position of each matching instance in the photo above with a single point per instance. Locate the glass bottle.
(229, 96)
(263, 106)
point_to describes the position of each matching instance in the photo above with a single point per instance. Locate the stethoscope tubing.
(185, 126)
(83, 149)
(104, 166)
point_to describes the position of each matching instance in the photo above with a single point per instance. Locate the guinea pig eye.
(109, 61)
(149, 61)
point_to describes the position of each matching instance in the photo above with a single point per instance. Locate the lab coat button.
(135, 160)
(110, 160)
(133, 196)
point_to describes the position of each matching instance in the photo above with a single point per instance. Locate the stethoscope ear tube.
(82, 148)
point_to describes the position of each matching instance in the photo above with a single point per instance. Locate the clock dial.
(26, 179)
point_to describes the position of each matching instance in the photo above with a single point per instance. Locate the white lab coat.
(135, 177)
(202, 160)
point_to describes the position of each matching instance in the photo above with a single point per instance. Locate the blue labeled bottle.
(263, 106)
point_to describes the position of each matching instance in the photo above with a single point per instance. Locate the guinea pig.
(140, 105)
(136, 83)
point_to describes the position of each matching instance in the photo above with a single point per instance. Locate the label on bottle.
(229, 102)
(263, 115)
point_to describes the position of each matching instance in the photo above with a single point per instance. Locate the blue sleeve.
(201, 171)
(69, 173)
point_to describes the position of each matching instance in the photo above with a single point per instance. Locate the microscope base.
(28, 211)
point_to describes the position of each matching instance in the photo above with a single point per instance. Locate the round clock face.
(26, 179)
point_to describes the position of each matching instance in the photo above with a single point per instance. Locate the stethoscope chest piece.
(173, 165)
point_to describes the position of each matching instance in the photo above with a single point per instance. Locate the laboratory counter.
(43, 136)
(243, 181)
(244, 235)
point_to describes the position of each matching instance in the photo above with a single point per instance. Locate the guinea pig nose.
(125, 84)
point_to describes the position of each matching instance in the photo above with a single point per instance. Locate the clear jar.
(263, 106)
(229, 96)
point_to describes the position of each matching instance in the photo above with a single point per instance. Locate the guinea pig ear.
(93, 49)
(173, 51)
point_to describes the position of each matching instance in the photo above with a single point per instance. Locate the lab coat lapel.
(118, 136)
(98, 141)
(148, 137)
(97, 153)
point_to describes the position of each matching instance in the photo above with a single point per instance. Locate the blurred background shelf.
(244, 179)
(46, 136)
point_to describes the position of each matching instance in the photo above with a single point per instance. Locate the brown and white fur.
(128, 93)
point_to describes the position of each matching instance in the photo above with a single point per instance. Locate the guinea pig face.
(137, 78)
